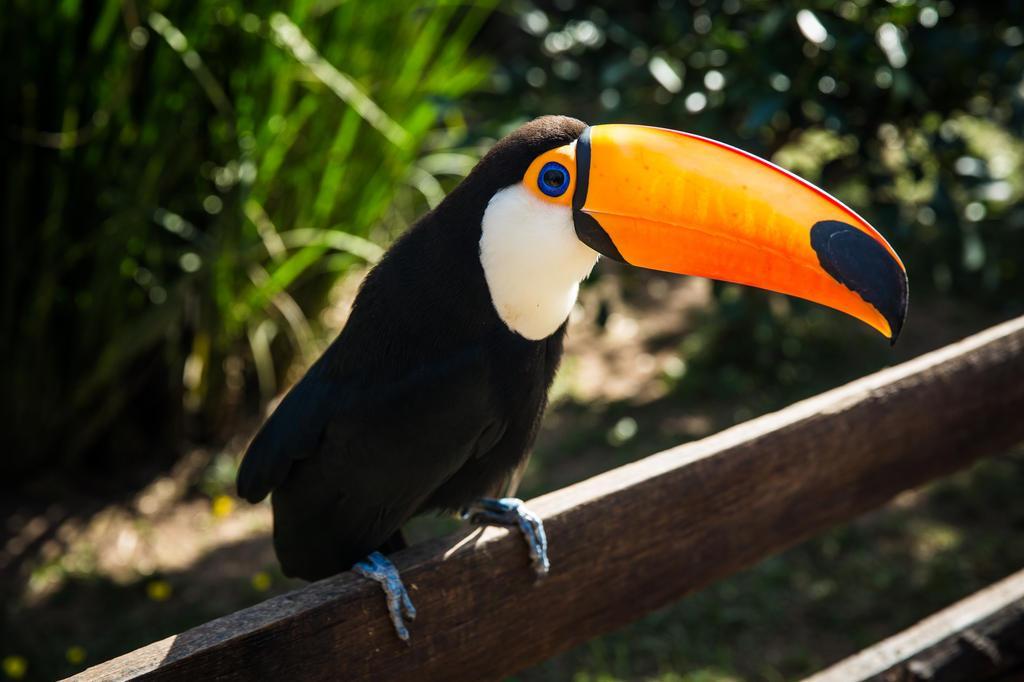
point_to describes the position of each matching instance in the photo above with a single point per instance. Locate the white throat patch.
(532, 260)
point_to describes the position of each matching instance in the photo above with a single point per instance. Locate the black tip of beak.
(861, 264)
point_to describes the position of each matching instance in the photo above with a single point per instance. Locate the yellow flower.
(158, 590)
(222, 505)
(15, 667)
(75, 654)
(261, 581)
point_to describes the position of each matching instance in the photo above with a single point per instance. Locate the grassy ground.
(184, 550)
(829, 597)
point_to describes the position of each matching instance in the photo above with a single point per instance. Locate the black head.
(507, 161)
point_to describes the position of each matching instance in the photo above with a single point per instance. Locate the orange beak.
(677, 202)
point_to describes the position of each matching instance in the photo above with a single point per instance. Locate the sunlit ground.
(185, 550)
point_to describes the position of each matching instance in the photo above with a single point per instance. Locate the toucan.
(431, 396)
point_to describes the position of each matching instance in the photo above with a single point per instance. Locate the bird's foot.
(510, 511)
(379, 568)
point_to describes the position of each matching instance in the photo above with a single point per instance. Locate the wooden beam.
(630, 540)
(976, 639)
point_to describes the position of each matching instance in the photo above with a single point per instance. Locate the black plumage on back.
(426, 400)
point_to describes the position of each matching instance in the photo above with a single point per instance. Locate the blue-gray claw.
(510, 511)
(379, 568)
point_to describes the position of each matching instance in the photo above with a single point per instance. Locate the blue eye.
(553, 179)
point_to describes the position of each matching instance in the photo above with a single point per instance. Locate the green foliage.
(185, 182)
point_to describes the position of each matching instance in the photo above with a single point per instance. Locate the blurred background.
(191, 192)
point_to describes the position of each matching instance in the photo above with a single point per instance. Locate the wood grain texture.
(630, 540)
(978, 638)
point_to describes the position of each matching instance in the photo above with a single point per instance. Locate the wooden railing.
(630, 540)
(979, 638)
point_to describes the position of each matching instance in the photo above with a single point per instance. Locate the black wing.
(350, 463)
(294, 431)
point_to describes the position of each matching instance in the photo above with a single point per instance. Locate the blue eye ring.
(549, 175)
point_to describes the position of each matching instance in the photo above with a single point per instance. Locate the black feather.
(292, 432)
(426, 400)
